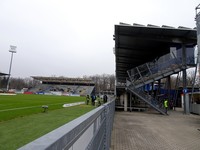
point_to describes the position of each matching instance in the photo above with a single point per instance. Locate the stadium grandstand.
(148, 54)
(63, 86)
(3, 74)
(3, 83)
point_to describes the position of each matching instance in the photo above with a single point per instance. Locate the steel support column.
(184, 76)
(198, 35)
(125, 101)
(169, 90)
(130, 102)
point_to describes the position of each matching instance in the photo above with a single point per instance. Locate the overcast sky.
(73, 38)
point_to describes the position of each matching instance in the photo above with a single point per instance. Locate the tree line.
(104, 82)
(18, 83)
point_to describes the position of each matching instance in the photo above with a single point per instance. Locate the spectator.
(93, 99)
(87, 99)
(105, 98)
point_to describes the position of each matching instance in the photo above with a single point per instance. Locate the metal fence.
(90, 131)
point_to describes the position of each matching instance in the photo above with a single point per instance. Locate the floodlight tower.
(12, 50)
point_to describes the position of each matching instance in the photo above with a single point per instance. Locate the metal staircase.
(152, 71)
(157, 105)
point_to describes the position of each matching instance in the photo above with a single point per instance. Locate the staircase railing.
(155, 103)
(158, 67)
(153, 71)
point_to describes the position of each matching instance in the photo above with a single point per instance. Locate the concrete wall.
(195, 108)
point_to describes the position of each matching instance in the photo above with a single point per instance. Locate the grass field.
(22, 119)
(23, 105)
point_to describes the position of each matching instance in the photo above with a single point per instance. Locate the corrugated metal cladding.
(137, 44)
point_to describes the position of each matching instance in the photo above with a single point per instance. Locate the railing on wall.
(90, 131)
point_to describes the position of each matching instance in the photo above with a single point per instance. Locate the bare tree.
(190, 78)
(103, 82)
(20, 83)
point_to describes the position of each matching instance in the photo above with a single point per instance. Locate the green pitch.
(22, 118)
(23, 105)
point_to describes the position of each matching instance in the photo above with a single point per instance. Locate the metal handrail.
(164, 64)
(155, 103)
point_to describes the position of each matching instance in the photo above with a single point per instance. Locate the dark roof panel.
(3, 74)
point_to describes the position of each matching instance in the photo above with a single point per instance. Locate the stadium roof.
(137, 44)
(3, 74)
(63, 80)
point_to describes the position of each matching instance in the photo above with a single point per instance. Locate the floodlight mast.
(12, 50)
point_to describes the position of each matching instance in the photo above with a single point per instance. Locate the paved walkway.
(152, 131)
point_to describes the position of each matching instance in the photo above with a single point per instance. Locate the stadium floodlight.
(12, 50)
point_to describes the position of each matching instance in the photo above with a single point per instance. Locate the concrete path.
(153, 131)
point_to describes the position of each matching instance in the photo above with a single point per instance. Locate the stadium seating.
(52, 89)
(63, 86)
